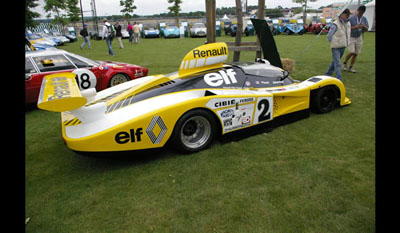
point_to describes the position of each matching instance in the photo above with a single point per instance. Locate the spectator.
(108, 34)
(130, 31)
(136, 32)
(118, 34)
(359, 24)
(339, 37)
(84, 33)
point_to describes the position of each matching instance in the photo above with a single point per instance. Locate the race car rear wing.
(60, 92)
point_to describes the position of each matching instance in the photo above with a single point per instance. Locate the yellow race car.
(189, 108)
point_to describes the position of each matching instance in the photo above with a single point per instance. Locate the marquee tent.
(370, 15)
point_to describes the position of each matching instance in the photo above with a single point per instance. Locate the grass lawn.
(313, 175)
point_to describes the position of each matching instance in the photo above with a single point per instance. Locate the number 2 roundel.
(85, 79)
(264, 108)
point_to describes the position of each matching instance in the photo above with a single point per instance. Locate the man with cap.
(339, 37)
(84, 33)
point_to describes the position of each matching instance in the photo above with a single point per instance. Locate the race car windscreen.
(264, 75)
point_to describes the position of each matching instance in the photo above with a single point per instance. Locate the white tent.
(225, 17)
(370, 15)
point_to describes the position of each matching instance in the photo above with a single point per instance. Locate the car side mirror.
(285, 74)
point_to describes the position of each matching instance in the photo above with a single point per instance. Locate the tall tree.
(73, 11)
(175, 9)
(128, 8)
(304, 5)
(239, 29)
(30, 15)
(57, 7)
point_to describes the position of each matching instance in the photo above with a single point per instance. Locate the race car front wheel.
(324, 100)
(194, 131)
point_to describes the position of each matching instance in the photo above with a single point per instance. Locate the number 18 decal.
(264, 108)
(85, 79)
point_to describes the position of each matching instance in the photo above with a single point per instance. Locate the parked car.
(45, 62)
(171, 32)
(293, 28)
(38, 39)
(125, 34)
(151, 32)
(198, 30)
(246, 31)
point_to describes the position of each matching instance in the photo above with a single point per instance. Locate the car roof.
(45, 52)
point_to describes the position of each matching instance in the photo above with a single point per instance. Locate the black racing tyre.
(324, 100)
(118, 79)
(194, 131)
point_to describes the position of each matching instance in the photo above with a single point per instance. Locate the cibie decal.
(226, 102)
(151, 132)
(217, 79)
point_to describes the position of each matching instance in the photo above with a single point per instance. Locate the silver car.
(198, 30)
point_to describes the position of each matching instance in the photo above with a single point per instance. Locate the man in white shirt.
(339, 37)
(107, 34)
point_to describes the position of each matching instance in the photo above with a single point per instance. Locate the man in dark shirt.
(118, 34)
(84, 33)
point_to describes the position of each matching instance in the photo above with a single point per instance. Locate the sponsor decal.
(236, 117)
(209, 52)
(227, 113)
(226, 102)
(60, 88)
(131, 136)
(222, 77)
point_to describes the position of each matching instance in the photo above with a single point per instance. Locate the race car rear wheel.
(118, 79)
(194, 131)
(324, 99)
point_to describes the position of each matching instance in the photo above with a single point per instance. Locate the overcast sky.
(149, 7)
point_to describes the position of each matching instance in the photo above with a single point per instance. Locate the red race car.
(45, 62)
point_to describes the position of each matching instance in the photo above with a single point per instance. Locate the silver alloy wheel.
(195, 132)
(118, 79)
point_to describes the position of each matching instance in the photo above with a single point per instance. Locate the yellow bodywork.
(60, 93)
(154, 128)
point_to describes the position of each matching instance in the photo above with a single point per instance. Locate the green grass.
(313, 175)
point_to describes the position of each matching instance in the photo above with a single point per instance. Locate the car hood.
(199, 29)
(115, 65)
(151, 31)
(171, 30)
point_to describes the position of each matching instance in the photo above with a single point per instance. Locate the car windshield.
(29, 69)
(34, 37)
(52, 63)
(199, 25)
(80, 59)
(260, 69)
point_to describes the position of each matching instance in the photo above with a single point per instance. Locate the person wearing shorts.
(359, 24)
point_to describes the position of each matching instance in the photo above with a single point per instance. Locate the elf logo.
(132, 136)
(217, 79)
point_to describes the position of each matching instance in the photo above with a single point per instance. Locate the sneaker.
(344, 66)
(352, 70)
